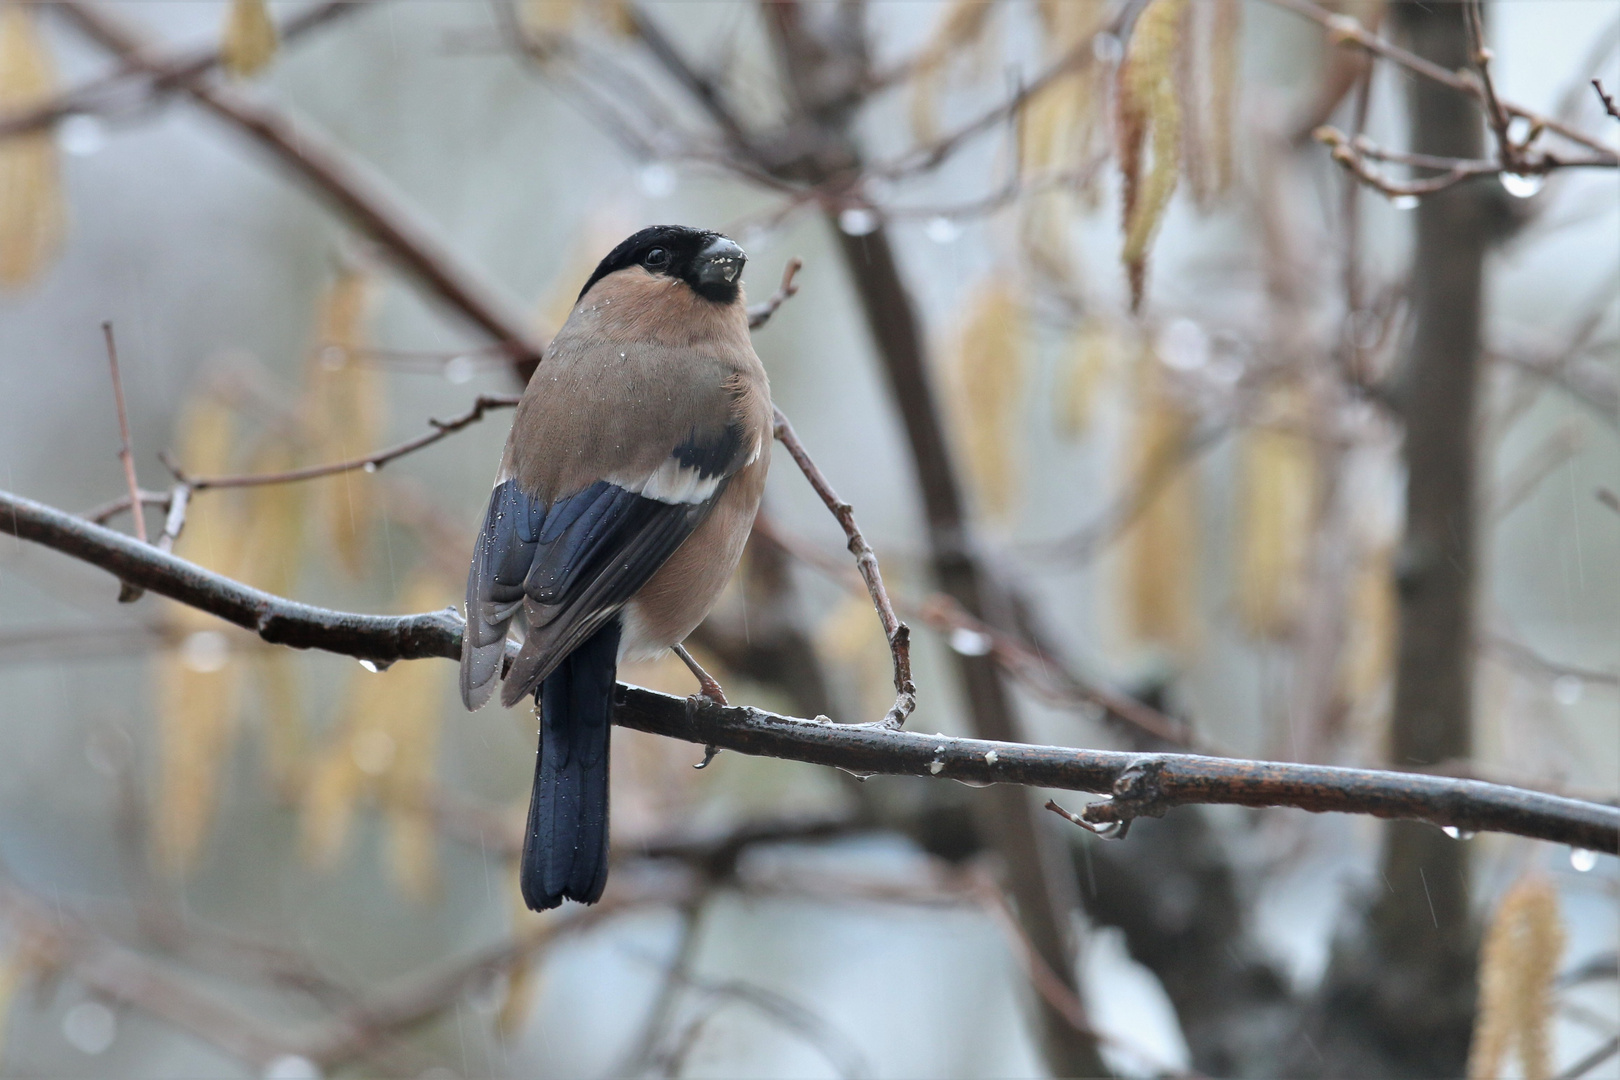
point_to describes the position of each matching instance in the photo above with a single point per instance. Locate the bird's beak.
(721, 263)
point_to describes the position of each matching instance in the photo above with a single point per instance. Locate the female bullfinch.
(628, 487)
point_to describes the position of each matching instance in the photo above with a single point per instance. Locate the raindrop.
(1405, 202)
(970, 642)
(863, 777)
(974, 783)
(1107, 49)
(459, 369)
(858, 221)
(1567, 689)
(1184, 346)
(205, 651)
(90, 1027)
(1523, 187)
(373, 752)
(370, 466)
(1456, 833)
(657, 180)
(292, 1067)
(1582, 860)
(82, 135)
(942, 230)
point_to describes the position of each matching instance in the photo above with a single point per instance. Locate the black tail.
(565, 854)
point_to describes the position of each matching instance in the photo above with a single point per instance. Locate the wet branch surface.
(1138, 784)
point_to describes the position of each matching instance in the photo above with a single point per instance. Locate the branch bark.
(1137, 784)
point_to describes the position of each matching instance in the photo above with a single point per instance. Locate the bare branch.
(163, 74)
(1347, 30)
(897, 632)
(760, 314)
(1608, 102)
(484, 404)
(362, 195)
(1138, 784)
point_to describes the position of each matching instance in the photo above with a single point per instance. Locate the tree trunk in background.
(1041, 884)
(1399, 997)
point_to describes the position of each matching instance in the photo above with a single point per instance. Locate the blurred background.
(1240, 454)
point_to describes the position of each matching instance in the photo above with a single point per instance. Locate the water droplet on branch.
(1521, 186)
(858, 221)
(1582, 860)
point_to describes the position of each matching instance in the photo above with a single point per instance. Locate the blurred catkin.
(962, 25)
(1091, 350)
(385, 747)
(1518, 961)
(31, 201)
(1277, 512)
(990, 371)
(197, 684)
(1161, 546)
(249, 40)
(1369, 652)
(1148, 121)
(347, 413)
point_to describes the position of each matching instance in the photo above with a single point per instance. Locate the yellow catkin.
(1224, 41)
(197, 684)
(990, 370)
(386, 747)
(31, 202)
(1149, 118)
(249, 40)
(281, 713)
(347, 411)
(1090, 351)
(1277, 511)
(1369, 652)
(1161, 546)
(550, 18)
(1518, 961)
(962, 24)
(522, 980)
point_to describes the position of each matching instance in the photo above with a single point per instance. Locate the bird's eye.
(656, 259)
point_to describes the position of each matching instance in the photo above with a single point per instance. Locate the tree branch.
(362, 195)
(1138, 784)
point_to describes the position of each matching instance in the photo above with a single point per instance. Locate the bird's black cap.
(707, 261)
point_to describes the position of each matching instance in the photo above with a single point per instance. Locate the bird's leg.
(708, 690)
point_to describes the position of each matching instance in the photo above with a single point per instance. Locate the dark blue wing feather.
(571, 565)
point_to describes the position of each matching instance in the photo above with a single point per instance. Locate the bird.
(626, 492)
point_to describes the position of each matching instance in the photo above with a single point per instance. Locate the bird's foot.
(709, 691)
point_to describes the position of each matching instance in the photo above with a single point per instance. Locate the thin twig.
(1347, 30)
(897, 632)
(372, 462)
(163, 74)
(1609, 105)
(1047, 676)
(125, 454)
(1598, 1056)
(760, 314)
(127, 593)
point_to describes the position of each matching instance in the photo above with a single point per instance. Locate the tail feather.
(565, 852)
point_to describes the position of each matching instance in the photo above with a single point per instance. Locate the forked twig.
(897, 632)
(761, 313)
(127, 593)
